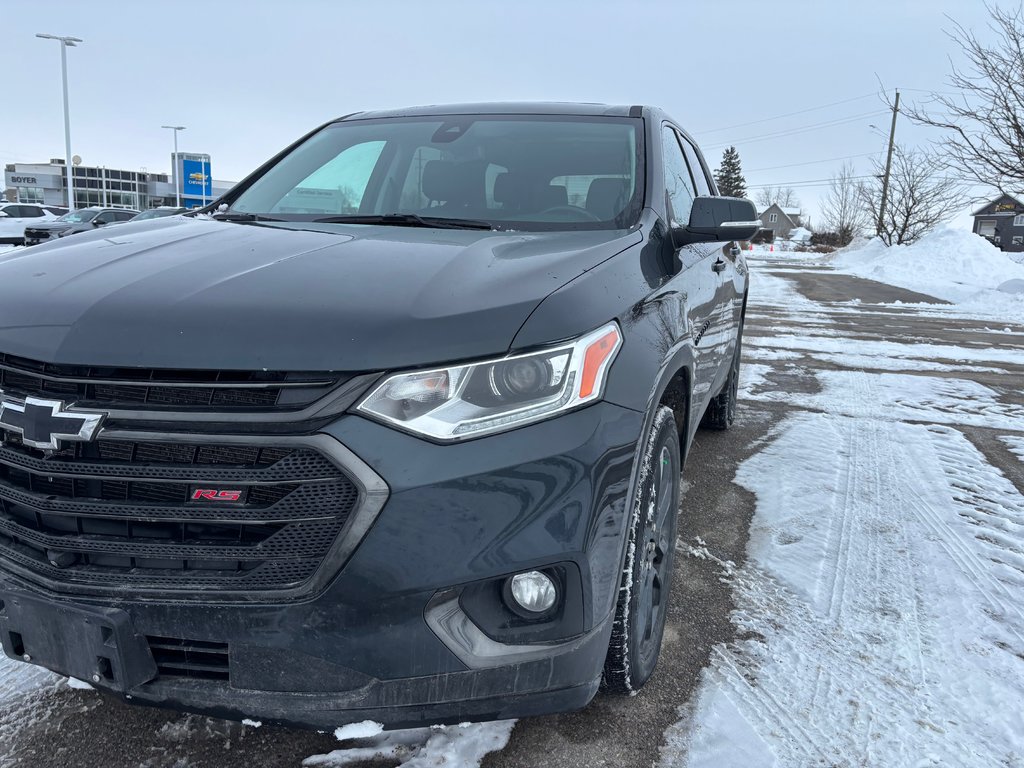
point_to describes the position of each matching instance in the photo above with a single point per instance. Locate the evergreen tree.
(729, 175)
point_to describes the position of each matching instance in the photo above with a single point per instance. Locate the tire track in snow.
(1000, 598)
(862, 670)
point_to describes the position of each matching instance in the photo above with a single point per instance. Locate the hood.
(50, 224)
(198, 293)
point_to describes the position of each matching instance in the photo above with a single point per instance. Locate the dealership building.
(46, 184)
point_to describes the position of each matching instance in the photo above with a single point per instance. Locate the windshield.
(76, 217)
(155, 213)
(513, 172)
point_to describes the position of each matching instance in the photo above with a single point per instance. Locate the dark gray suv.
(82, 220)
(392, 431)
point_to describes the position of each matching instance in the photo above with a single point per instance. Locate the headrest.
(607, 197)
(511, 188)
(440, 180)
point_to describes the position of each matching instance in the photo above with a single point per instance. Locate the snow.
(252, 723)
(457, 746)
(880, 610)
(1011, 286)
(949, 263)
(364, 730)
(1016, 445)
(799, 235)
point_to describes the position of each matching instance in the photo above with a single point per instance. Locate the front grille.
(151, 389)
(123, 513)
(192, 659)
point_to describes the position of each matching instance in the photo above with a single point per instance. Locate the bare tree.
(784, 196)
(765, 196)
(921, 195)
(985, 132)
(842, 209)
(787, 198)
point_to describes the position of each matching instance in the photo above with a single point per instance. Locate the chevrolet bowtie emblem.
(45, 424)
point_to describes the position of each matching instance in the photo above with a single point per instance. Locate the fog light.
(533, 591)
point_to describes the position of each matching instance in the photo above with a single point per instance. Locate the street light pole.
(65, 43)
(174, 169)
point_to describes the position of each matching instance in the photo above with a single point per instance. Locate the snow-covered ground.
(880, 611)
(950, 263)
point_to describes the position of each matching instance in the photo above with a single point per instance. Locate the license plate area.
(98, 645)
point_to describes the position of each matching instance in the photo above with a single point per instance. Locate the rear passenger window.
(31, 211)
(678, 183)
(703, 185)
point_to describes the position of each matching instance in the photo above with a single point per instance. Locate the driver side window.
(678, 183)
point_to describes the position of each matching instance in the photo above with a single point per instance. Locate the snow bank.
(949, 263)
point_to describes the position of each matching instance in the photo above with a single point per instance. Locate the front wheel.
(643, 592)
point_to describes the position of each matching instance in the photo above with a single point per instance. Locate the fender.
(648, 279)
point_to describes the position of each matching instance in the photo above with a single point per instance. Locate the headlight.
(465, 401)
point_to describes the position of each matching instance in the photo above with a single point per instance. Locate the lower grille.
(131, 514)
(192, 659)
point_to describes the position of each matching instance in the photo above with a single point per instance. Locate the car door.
(102, 219)
(729, 269)
(14, 222)
(698, 280)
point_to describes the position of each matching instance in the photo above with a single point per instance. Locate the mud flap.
(97, 645)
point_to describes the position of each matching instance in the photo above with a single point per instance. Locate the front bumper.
(36, 236)
(367, 646)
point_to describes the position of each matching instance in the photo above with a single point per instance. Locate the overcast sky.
(249, 76)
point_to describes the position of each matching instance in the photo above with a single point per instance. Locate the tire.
(647, 575)
(721, 411)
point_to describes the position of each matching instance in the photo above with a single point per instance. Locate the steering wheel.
(572, 209)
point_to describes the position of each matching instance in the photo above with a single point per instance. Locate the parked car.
(393, 431)
(14, 217)
(82, 220)
(158, 213)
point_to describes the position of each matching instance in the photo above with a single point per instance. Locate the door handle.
(718, 266)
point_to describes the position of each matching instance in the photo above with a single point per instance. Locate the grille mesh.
(121, 513)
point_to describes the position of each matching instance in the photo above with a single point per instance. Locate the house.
(781, 221)
(1002, 222)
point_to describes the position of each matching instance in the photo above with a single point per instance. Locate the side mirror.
(97, 223)
(3, 215)
(718, 218)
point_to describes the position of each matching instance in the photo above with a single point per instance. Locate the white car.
(14, 217)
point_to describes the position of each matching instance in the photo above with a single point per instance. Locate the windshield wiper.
(241, 217)
(408, 220)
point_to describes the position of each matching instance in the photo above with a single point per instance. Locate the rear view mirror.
(718, 218)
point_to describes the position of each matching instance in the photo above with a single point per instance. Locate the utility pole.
(888, 167)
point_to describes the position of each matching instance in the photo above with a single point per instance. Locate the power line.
(812, 162)
(808, 182)
(805, 129)
(788, 114)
